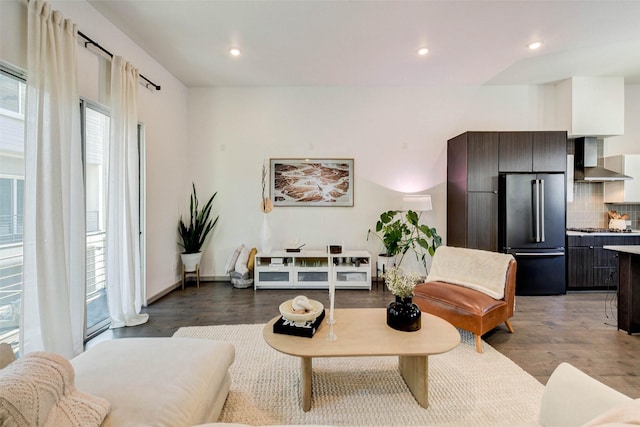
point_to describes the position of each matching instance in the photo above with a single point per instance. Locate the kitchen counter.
(628, 249)
(603, 233)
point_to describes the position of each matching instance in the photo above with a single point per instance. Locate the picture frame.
(311, 182)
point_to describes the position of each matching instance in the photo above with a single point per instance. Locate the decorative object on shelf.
(193, 235)
(298, 249)
(400, 233)
(312, 182)
(334, 249)
(402, 314)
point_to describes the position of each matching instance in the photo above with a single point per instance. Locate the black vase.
(404, 315)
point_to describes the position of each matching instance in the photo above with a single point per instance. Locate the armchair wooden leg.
(479, 343)
(508, 323)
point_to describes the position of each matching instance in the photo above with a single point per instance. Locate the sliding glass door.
(96, 123)
(95, 134)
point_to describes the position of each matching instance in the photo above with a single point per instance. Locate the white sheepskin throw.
(38, 390)
(483, 271)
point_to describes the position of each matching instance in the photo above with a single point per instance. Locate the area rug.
(466, 388)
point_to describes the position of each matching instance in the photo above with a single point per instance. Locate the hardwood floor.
(579, 328)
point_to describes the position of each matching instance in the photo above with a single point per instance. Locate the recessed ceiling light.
(234, 51)
(534, 45)
(423, 51)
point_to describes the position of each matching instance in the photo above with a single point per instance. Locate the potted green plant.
(400, 234)
(193, 235)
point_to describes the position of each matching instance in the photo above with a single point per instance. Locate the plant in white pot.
(194, 234)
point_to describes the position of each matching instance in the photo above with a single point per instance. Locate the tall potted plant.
(403, 233)
(194, 234)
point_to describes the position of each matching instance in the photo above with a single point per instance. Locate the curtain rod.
(91, 42)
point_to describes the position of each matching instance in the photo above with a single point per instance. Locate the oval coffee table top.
(364, 332)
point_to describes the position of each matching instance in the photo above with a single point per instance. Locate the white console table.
(312, 270)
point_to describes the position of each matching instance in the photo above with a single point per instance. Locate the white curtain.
(53, 299)
(124, 290)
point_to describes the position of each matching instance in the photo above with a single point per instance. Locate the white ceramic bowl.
(286, 310)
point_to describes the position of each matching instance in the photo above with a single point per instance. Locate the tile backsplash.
(589, 210)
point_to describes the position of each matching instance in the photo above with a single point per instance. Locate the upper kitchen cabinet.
(532, 151)
(590, 106)
(482, 161)
(515, 152)
(473, 162)
(627, 191)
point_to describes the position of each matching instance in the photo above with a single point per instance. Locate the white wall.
(163, 113)
(397, 137)
(629, 143)
(219, 137)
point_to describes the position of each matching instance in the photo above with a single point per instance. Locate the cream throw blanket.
(483, 271)
(38, 390)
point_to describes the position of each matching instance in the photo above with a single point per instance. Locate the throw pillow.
(231, 261)
(38, 389)
(252, 258)
(243, 259)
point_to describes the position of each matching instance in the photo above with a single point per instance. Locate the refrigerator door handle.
(536, 211)
(541, 212)
(538, 254)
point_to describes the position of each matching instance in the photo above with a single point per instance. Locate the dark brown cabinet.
(482, 162)
(550, 151)
(474, 161)
(589, 265)
(482, 224)
(472, 190)
(532, 151)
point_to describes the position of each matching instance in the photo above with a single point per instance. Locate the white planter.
(386, 262)
(190, 261)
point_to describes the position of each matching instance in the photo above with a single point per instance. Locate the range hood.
(586, 163)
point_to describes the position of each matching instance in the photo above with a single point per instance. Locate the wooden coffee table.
(364, 332)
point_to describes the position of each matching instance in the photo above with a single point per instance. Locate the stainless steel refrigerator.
(531, 227)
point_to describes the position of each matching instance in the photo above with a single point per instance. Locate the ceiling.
(374, 43)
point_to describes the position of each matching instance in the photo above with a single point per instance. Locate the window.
(95, 136)
(12, 96)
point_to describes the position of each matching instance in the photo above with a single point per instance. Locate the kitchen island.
(628, 287)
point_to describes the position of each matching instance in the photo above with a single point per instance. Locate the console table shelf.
(312, 270)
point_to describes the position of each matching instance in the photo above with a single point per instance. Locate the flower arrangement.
(266, 205)
(400, 282)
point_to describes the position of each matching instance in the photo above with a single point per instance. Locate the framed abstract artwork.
(311, 182)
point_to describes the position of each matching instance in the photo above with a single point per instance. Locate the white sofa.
(184, 382)
(573, 398)
(169, 382)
